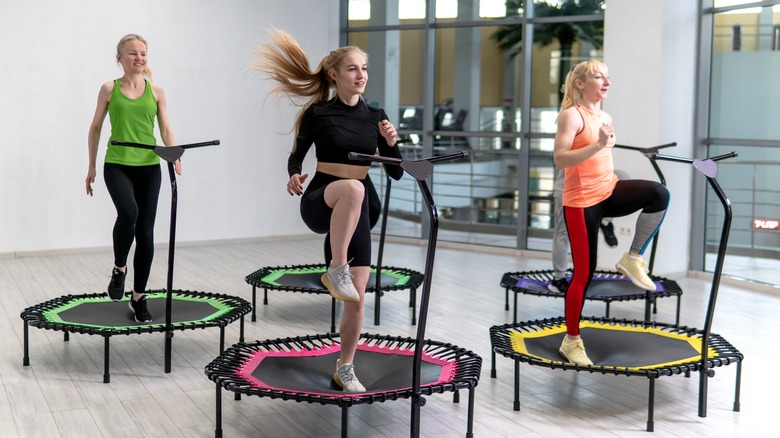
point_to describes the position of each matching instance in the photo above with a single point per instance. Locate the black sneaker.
(559, 285)
(140, 311)
(609, 234)
(116, 287)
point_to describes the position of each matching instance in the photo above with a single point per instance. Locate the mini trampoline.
(606, 286)
(306, 278)
(299, 369)
(96, 314)
(392, 368)
(632, 348)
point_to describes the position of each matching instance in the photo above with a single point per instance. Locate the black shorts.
(316, 214)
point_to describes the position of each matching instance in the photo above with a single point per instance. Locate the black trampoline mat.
(311, 280)
(599, 287)
(118, 314)
(624, 348)
(378, 372)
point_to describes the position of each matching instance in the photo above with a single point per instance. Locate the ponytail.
(285, 63)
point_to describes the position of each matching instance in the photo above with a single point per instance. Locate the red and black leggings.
(629, 196)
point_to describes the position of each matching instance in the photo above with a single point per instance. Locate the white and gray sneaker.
(345, 377)
(338, 280)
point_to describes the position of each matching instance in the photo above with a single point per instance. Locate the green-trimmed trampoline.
(633, 348)
(306, 279)
(97, 314)
(606, 286)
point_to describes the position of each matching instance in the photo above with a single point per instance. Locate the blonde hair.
(571, 94)
(284, 62)
(120, 47)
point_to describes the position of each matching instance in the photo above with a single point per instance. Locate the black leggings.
(134, 190)
(316, 214)
(628, 197)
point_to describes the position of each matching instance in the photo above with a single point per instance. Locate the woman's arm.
(164, 123)
(93, 137)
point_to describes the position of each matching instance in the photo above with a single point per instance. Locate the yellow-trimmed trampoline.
(632, 348)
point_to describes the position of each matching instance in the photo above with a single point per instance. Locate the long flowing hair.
(571, 94)
(284, 62)
(120, 47)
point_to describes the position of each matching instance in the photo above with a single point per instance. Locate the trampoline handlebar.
(389, 160)
(689, 160)
(640, 149)
(151, 146)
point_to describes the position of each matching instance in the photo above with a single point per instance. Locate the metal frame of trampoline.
(37, 316)
(421, 170)
(650, 297)
(256, 279)
(724, 353)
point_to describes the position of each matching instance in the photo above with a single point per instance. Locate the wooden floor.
(61, 393)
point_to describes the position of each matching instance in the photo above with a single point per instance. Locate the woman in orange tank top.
(591, 191)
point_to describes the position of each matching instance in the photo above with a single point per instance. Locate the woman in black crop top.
(335, 200)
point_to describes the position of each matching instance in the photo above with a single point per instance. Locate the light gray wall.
(650, 49)
(57, 54)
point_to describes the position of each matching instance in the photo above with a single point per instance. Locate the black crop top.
(337, 129)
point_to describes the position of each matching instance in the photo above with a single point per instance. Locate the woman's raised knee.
(345, 190)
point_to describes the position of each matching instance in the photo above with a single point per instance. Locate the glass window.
(745, 68)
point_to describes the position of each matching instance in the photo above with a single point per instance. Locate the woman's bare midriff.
(343, 170)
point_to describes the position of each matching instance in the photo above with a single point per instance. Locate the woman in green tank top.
(132, 175)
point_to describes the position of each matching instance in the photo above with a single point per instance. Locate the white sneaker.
(338, 280)
(346, 379)
(574, 352)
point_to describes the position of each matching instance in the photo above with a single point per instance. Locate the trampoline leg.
(470, 420)
(456, 396)
(265, 297)
(106, 375)
(514, 316)
(67, 337)
(516, 405)
(738, 385)
(254, 304)
(241, 330)
(26, 358)
(413, 304)
(218, 414)
(344, 422)
(493, 364)
(677, 316)
(606, 312)
(221, 339)
(650, 405)
(648, 305)
(506, 298)
(332, 315)
(377, 306)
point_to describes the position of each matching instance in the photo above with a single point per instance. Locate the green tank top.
(132, 120)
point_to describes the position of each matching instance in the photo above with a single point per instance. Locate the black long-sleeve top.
(336, 129)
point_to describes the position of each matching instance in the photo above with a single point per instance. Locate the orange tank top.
(592, 181)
